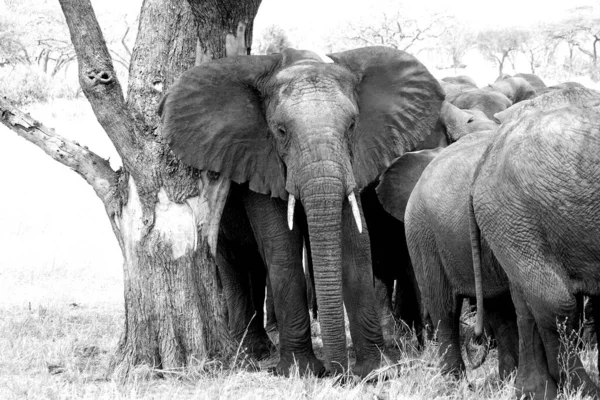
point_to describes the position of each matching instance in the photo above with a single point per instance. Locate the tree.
(273, 39)
(539, 47)
(174, 313)
(397, 30)
(457, 40)
(498, 45)
(586, 23)
(44, 35)
(12, 49)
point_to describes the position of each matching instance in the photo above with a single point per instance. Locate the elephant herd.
(386, 176)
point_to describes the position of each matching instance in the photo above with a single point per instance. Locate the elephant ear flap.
(399, 104)
(398, 181)
(213, 119)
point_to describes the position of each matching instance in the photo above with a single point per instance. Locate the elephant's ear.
(399, 104)
(213, 119)
(398, 181)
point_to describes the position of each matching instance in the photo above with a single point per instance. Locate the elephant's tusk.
(355, 211)
(291, 205)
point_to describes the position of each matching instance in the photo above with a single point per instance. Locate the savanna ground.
(61, 310)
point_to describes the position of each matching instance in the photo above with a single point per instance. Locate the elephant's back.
(539, 183)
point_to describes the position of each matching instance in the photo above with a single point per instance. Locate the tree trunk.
(165, 215)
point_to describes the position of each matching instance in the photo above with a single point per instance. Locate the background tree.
(457, 40)
(272, 39)
(585, 22)
(498, 45)
(164, 214)
(539, 47)
(12, 49)
(396, 29)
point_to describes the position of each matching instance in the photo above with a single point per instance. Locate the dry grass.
(61, 311)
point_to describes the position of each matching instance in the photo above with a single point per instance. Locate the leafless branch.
(93, 168)
(125, 44)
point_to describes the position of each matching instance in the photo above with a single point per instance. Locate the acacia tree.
(164, 215)
(397, 30)
(457, 41)
(539, 46)
(273, 39)
(585, 22)
(499, 45)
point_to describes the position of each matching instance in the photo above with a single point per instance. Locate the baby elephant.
(437, 233)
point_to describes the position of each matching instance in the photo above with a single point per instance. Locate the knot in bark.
(100, 77)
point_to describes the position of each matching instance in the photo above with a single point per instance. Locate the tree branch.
(99, 82)
(93, 168)
(125, 44)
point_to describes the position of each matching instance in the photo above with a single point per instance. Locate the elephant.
(488, 101)
(535, 81)
(533, 200)
(437, 232)
(515, 88)
(390, 256)
(452, 90)
(301, 137)
(462, 80)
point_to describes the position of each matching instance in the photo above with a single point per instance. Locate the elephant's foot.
(453, 368)
(258, 346)
(535, 389)
(306, 364)
(388, 327)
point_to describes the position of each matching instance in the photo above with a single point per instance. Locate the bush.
(24, 84)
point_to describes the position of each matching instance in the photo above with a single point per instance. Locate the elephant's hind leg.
(555, 305)
(500, 313)
(533, 379)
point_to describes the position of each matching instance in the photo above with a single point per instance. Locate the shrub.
(24, 84)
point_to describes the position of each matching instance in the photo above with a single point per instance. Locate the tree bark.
(165, 215)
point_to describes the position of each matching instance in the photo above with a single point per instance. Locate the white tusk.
(355, 211)
(291, 205)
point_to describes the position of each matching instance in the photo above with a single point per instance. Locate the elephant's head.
(515, 88)
(296, 127)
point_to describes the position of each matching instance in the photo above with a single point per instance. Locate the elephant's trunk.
(322, 198)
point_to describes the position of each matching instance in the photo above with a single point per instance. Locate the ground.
(61, 304)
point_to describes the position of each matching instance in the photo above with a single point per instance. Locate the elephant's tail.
(476, 251)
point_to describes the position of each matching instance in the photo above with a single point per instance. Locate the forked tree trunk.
(165, 215)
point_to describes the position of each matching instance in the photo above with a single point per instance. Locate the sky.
(307, 20)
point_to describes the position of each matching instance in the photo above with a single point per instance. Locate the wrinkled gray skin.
(437, 232)
(390, 257)
(488, 101)
(535, 202)
(455, 124)
(454, 89)
(287, 126)
(515, 88)
(535, 81)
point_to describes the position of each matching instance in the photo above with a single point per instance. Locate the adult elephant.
(535, 81)
(488, 101)
(390, 256)
(534, 200)
(291, 127)
(437, 232)
(515, 88)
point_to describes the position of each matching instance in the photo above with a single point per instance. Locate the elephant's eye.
(281, 131)
(352, 125)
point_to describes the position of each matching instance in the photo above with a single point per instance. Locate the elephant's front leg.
(282, 251)
(359, 294)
